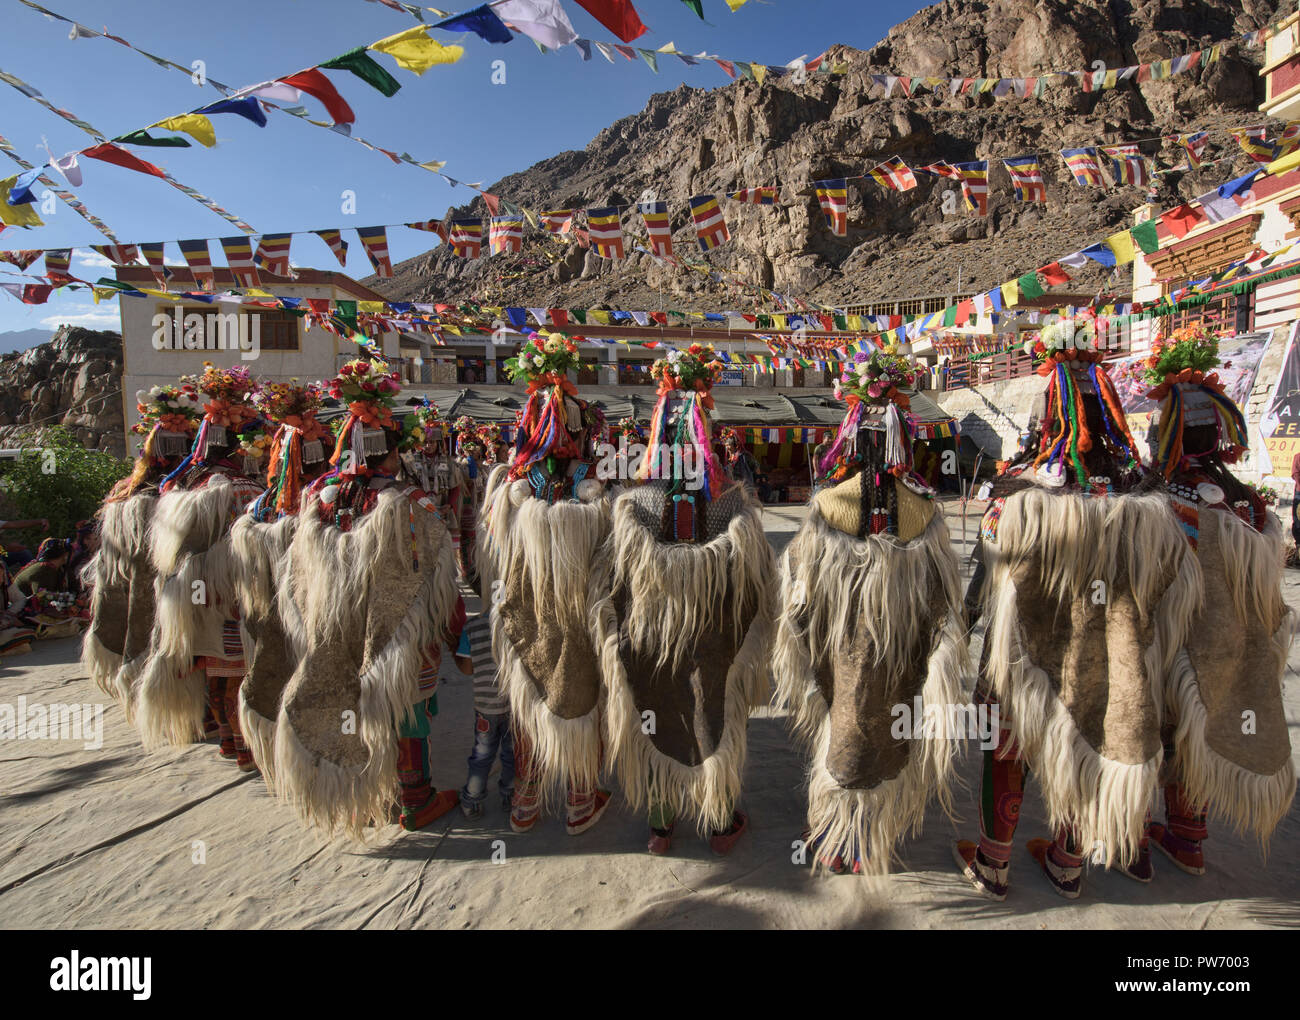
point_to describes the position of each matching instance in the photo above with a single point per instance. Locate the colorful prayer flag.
(22, 259)
(467, 238)
(57, 261)
(273, 254)
(755, 196)
(710, 227)
(1026, 178)
(1128, 165)
(1255, 144)
(619, 16)
(558, 221)
(833, 197)
(606, 233)
(1084, 165)
(506, 234)
(239, 257)
(118, 254)
(375, 242)
(415, 51)
(975, 185)
(1195, 145)
(334, 238)
(199, 260)
(893, 174)
(659, 227)
(156, 260)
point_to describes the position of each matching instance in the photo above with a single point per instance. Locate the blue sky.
(290, 176)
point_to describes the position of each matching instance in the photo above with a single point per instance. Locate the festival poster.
(1239, 358)
(1280, 424)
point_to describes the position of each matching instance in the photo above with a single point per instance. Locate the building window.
(1231, 313)
(279, 331)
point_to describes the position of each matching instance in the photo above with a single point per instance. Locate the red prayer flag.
(110, 153)
(314, 83)
(619, 16)
(1053, 275)
(1180, 220)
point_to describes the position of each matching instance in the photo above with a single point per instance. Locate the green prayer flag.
(366, 68)
(580, 314)
(144, 138)
(950, 315)
(697, 6)
(347, 313)
(841, 321)
(1029, 286)
(1145, 235)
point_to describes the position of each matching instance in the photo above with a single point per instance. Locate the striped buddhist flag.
(940, 170)
(156, 259)
(710, 227)
(506, 234)
(199, 260)
(273, 254)
(606, 233)
(375, 242)
(1255, 144)
(1195, 145)
(1085, 166)
(975, 185)
(57, 261)
(558, 221)
(118, 254)
(755, 196)
(833, 197)
(334, 238)
(1128, 165)
(239, 257)
(658, 226)
(466, 238)
(1026, 178)
(893, 174)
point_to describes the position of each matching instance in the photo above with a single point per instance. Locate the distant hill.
(21, 339)
(694, 141)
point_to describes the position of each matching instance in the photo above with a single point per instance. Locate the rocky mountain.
(74, 380)
(690, 141)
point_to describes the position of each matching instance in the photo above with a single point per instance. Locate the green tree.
(59, 480)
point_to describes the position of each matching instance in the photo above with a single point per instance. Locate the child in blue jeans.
(491, 720)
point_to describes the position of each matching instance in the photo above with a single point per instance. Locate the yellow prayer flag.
(195, 125)
(598, 315)
(667, 48)
(760, 72)
(736, 5)
(1122, 245)
(1010, 294)
(1281, 166)
(1111, 79)
(415, 51)
(433, 165)
(778, 322)
(854, 322)
(370, 307)
(16, 215)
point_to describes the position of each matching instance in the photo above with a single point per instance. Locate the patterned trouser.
(526, 804)
(225, 677)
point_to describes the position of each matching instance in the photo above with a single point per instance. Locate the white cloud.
(89, 319)
(92, 258)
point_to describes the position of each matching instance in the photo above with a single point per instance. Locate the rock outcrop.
(74, 380)
(690, 141)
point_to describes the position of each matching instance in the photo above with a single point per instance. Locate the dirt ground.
(117, 838)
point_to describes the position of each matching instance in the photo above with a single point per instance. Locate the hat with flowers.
(169, 418)
(369, 389)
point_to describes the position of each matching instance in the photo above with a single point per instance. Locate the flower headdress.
(225, 394)
(294, 405)
(544, 358)
(370, 392)
(690, 373)
(1180, 366)
(169, 417)
(423, 427)
(875, 380)
(1080, 339)
(1065, 434)
(467, 433)
(552, 419)
(695, 369)
(628, 428)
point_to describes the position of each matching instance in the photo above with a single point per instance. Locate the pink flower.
(345, 370)
(875, 390)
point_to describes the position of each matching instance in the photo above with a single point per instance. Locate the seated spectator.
(48, 571)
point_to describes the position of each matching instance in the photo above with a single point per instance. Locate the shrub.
(60, 480)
